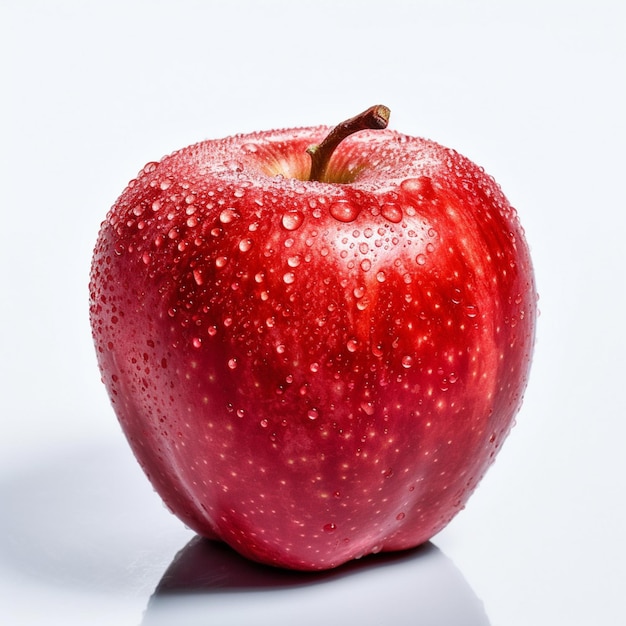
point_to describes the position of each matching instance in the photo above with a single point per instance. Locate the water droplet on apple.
(392, 212)
(471, 311)
(232, 364)
(264, 423)
(221, 261)
(234, 166)
(400, 516)
(313, 414)
(197, 276)
(344, 211)
(367, 408)
(377, 351)
(363, 248)
(289, 278)
(245, 245)
(352, 345)
(366, 265)
(294, 261)
(314, 367)
(407, 361)
(197, 342)
(330, 528)
(292, 220)
(420, 259)
(359, 291)
(228, 215)
(381, 277)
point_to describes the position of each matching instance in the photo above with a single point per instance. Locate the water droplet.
(294, 261)
(330, 528)
(313, 414)
(228, 215)
(292, 220)
(380, 277)
(264, 423)
(452, 378)
(344, 211)
(377, 351)
(314, 367)
(359, 292)
(471, 311)
(363, 248)
(232, 364)
(197, 342)
(234, 166)
(289, 278)
(392, 212)
(197, 276)
(245, 245)
(366, 265)
(400, 516)
(352, 345)
(221, 261)
(420, 259)
(239, 193)
(367, 408)
(407, 361)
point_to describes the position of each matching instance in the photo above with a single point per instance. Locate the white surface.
(533, 91)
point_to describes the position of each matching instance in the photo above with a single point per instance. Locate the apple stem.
(375, 118)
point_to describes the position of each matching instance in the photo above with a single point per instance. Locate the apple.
(315, 340)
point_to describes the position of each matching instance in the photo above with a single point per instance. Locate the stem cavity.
(374, 118)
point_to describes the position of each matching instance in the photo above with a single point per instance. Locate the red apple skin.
(314, 371)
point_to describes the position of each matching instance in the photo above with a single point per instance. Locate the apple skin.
(314, 371)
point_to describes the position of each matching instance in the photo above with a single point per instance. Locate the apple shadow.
(208, 582)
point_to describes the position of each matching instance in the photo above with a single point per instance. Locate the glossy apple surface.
(314, 371)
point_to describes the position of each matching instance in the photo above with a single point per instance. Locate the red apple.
(315, 355)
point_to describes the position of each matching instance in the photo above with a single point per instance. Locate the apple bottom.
(278, 498)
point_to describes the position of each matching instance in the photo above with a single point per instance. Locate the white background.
(533, 91)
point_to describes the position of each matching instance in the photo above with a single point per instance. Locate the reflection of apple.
(419, 586)
(314, 371)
